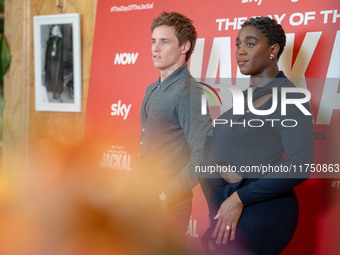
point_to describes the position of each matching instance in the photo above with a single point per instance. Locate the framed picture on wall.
(57, 62)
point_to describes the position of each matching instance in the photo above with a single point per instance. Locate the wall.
(25, 128)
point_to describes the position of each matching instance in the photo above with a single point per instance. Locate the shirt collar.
(174, 76)
(275, 82)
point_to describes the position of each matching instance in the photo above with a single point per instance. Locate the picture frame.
(57, 63)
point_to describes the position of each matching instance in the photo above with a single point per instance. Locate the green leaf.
(5, 58)
(2, 3)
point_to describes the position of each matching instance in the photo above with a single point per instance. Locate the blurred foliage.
(5, 56)
(5, 59)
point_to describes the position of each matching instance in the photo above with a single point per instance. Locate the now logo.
(125, 58)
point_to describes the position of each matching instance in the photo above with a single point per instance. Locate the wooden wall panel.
(25, 128)
(17, 85)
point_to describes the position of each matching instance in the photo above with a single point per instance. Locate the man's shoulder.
(186, 80)
(180, 76)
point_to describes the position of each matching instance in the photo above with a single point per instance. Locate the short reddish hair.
(184, 30)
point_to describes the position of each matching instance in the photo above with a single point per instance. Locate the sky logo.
(120, 109)
(249, 1)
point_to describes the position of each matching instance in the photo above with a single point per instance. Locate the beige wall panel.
(24, 127)
(17, 84)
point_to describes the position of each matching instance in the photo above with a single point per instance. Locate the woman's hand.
(228, 216)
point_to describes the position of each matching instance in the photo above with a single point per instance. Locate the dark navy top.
(269, 140)
(272, 143)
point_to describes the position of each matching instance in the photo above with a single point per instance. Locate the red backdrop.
(122, 68)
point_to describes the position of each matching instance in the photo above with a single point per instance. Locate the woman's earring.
(271, 57)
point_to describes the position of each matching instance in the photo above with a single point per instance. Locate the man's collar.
(174, 76)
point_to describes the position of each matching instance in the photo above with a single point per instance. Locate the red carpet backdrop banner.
(122, 68)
